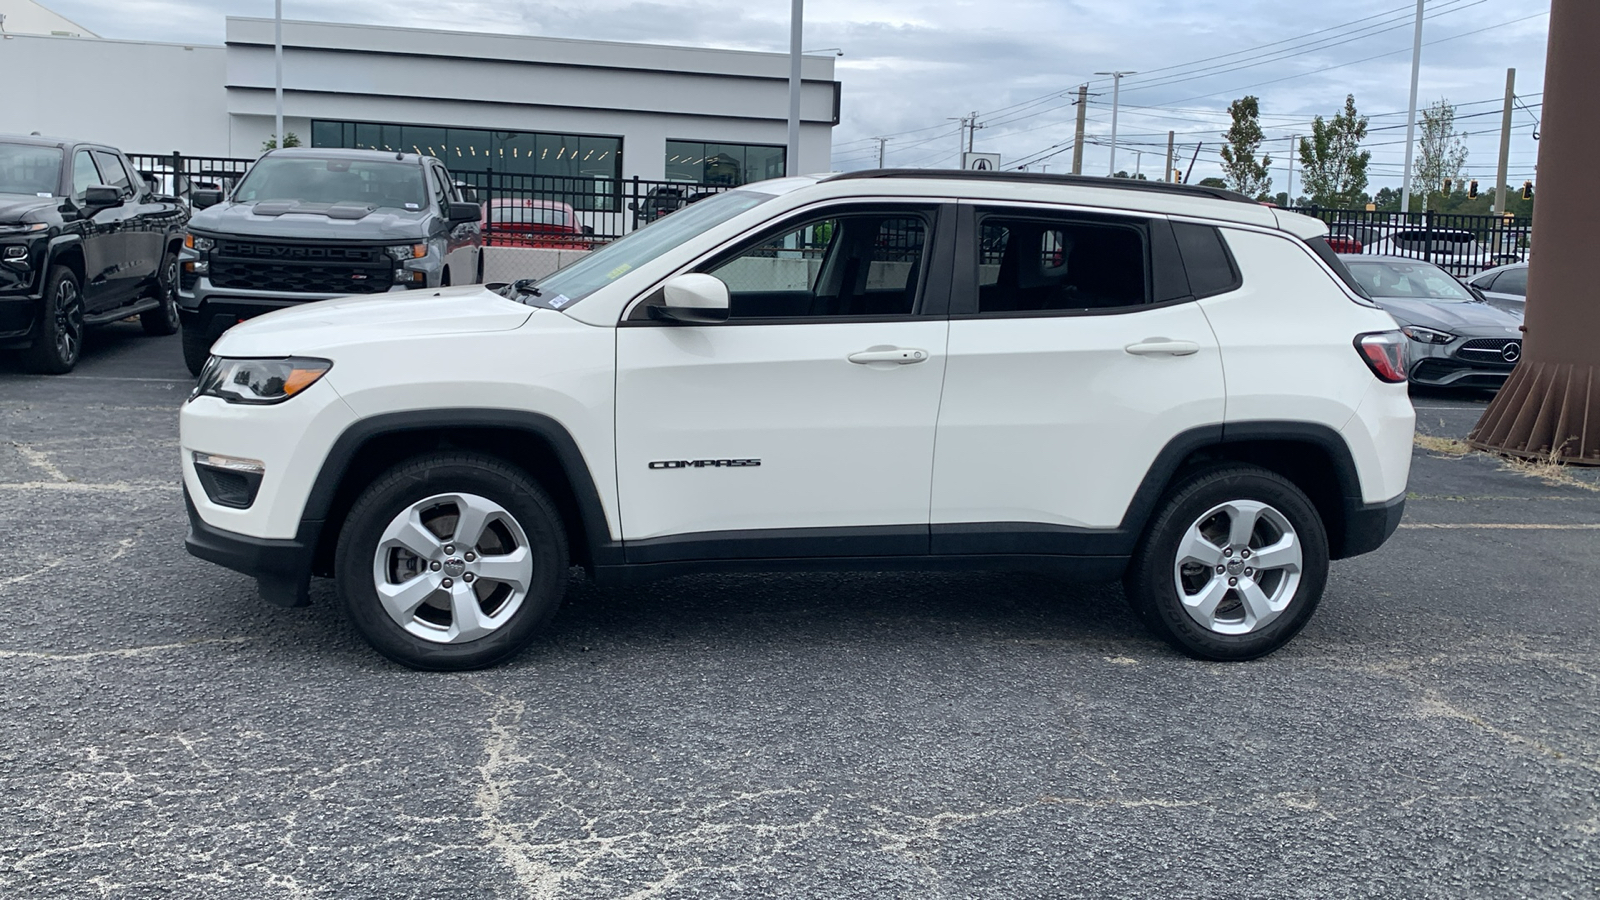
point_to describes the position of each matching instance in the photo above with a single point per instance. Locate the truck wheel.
(196, 349)
(58, 337)
(163, 320)
(1232, 565)
(451, 561)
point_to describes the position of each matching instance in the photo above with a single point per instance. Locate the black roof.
(1122, 184)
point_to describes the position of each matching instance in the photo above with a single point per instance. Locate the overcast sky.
(910, 64)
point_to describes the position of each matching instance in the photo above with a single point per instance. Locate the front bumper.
(282, 568)
(21, 290)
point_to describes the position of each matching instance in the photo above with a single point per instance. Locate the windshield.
(29, 169)
(618, 258)
(380, 183)
(1414, 280)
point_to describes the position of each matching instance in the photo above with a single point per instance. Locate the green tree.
(1243, 172)
(290, 139)
(1441, 154)
(1332, 161)
(1123, 173)
(1213, 181)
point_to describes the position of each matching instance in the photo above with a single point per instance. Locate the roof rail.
(1091, 181)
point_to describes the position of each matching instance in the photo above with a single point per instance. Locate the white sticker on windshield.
(45, 194)
(558, 301)
(413, 206)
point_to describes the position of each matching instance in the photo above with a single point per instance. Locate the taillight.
(1385, 354)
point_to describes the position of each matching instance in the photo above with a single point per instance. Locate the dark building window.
(585, 166)
(731, 164)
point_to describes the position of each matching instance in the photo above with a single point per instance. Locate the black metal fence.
(1461, 244)
(177, 174)
(608, 207)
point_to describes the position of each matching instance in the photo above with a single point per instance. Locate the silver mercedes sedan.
(1457, 339)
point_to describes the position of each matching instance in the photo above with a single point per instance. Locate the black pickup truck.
(84, 240)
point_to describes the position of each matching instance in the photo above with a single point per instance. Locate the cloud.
(908, 66)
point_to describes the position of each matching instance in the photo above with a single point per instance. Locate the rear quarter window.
(1211, 267)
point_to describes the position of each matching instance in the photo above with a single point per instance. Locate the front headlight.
(1427, 335)
(408, 251)
(23, 229)
(259, 381)
(198, 244)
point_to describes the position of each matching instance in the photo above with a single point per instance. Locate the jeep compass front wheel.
(1233, 564)
(451, 561)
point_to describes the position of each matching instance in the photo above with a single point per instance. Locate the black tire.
(1158, 582)
(526, 506)
(196, 349)
(58, 335)
(163, 320)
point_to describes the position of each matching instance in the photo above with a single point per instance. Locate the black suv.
(84, 240)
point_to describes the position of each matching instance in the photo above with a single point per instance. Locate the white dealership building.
(512, 104)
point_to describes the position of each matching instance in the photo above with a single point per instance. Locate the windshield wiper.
(523, 287)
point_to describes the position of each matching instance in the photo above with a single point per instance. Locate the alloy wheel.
(452, 568)
(1238, 567)
(69, 321)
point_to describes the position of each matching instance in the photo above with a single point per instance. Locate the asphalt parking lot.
(1434, 732)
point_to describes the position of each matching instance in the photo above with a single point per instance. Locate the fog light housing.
(229, 480)
(15, 253)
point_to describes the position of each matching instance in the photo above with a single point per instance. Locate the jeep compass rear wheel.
(1233, 564)
(451, 561)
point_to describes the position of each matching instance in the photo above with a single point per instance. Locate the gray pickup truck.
(306, 225)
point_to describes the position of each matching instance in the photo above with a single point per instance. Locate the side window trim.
(933, 295)
(1163, 285)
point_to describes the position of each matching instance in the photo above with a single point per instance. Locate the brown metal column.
(1551, 404)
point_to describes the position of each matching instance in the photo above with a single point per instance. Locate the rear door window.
(1043, 264)
(1512, 281)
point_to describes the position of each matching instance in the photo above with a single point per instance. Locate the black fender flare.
(580, 479)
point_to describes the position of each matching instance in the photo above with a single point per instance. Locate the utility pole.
(277, 64)
(796, 17)
(1167, 177)
(1116, 91)
(1411, 119)
(881, 141)
(1138, 163)
(1077, 143)
(1505, 144)
(1294, 150)
(972, 129)
(961, 140)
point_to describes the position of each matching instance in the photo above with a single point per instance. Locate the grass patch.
(1547, 469)
(1446, 447)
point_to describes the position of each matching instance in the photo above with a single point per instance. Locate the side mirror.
(693, 300)
(588, 229)
(205, 198)
(633, 206)
(102, 196)
(464, 212)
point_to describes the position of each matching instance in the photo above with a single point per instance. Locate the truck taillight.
(1385, 354)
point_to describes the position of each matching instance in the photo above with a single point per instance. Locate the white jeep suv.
(879, 370)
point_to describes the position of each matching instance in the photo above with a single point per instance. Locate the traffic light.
(1472, 189)
(1177, 176)
(1447, 183)
(1527, 190)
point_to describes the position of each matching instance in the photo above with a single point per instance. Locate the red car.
(548, 224)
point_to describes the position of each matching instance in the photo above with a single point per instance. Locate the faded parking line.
(1511, 526)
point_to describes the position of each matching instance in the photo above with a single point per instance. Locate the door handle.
(904, 356)
(1163, 347)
